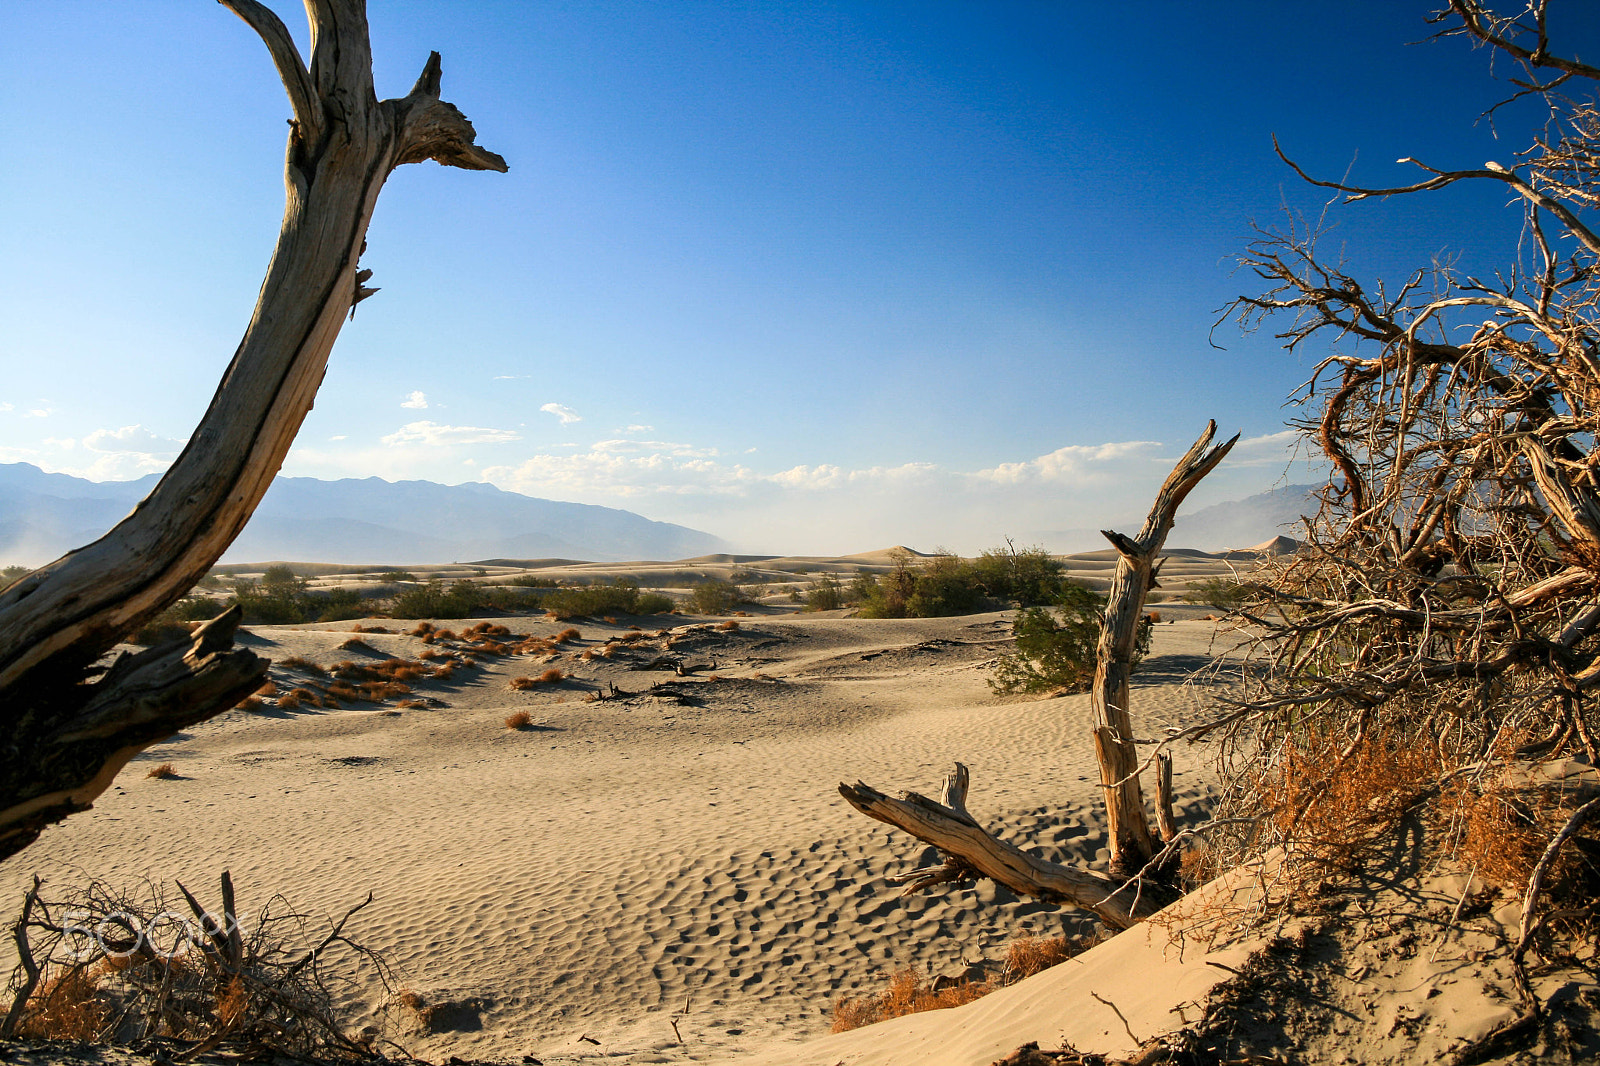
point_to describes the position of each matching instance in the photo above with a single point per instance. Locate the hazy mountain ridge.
(1235, 524)
(352, 520)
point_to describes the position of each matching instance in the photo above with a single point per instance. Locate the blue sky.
(815, 277)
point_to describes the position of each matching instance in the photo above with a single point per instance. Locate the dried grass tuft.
(909, 992)
(520, 720)
(164, 772)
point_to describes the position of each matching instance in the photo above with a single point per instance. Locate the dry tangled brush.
(1439, 631)
(113, 967)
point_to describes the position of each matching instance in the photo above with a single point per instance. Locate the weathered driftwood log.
(64, 742)
(1132, 890)
(1132, 846)
(970, 851)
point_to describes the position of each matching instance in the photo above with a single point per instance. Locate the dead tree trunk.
(70, 727)
(1121, 897)
(1132, 845)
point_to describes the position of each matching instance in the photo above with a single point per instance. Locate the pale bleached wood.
(1132, 845)
(1164, 818)
(969, 848)
(55, 623)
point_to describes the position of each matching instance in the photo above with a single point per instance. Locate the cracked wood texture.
(1132, 845)
(57, 709)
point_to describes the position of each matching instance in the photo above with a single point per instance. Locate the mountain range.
(349, 521)
(1237, 524)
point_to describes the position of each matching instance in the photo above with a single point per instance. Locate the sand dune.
(588, 876)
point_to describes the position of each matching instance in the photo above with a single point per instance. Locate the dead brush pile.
(1432, 649)
(102, 966)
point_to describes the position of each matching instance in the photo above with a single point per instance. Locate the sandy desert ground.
(588, 876)
(668, 874)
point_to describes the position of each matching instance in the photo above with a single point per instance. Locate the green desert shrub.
(1223, 593)
(940, 585)
(1031, 577)
(1056, 646)
(279, 598)
(654, 603)
(10, 575)
(435, 600)
(620, 596)
(824, 594)
(173, 623)
(714, 596)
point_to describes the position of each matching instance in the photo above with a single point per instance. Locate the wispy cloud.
(435, 435)
(416, 401)
(563, 412)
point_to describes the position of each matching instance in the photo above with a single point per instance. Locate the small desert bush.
(298, 662)
(714, 596)
(567, 636)
(164, 772)
(730, 624)
(176, 622)
(552, 676)
(1223, 593)
(594, 601)
(520, 720)
(1056, 648)
(824, 594)
(523, 684)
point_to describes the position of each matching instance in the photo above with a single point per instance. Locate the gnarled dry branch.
(58, 621)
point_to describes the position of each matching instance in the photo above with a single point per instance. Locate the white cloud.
(638, 429)
(340, 436)
(1270, 449)
(129, 439)
(1074, 464)
(435, 435)
(510, 377)
(39, 412)
(563, 412)
(4, 407)
(654, 446)
(416, 401)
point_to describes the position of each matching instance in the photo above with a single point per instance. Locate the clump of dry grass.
(68, 1006)
(567, 635)
(300, 662)
(428, 653)
(410, 705)
(164, 772)
(1028, 954)
(523, 684)
(730, 624)
(268, 688)
(296, 697)
(423, 629)
(909, 992)
(1334, 801)
(520, 720)
(552, 676)
(249, 703)
(357, 644)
